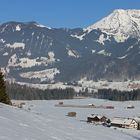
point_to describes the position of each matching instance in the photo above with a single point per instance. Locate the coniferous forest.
(117, 95)
(112, 94)
(23, 92)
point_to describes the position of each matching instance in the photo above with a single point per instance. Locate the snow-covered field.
(44, 121)
(103, 84)
(83, 84)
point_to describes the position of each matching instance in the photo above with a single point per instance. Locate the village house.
(138, 121)
(93, 118)
(124, 122)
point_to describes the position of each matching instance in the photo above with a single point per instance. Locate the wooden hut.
(71, 114)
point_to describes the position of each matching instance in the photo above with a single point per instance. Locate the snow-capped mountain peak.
(120, 23)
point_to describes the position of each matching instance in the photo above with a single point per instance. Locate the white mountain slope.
(44, 121)
(121, 23)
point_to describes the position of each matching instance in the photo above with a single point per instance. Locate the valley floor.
(42, 120)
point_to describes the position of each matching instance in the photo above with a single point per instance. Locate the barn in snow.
(96, 118)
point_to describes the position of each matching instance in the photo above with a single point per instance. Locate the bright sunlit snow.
(41, 120)
(16, 45)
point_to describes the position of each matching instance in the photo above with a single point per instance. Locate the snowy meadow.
(41, 120)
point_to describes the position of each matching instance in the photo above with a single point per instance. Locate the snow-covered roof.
(96, 115)
(130, 106)
(126, 121)
(137, 119)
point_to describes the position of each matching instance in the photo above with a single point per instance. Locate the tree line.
(113, 94)
(23, 92)
(117, 95)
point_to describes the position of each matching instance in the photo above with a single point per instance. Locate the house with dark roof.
(93, 118)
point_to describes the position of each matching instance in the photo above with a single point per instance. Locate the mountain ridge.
(35, 53)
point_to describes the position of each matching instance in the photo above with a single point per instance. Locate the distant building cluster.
(115, 122)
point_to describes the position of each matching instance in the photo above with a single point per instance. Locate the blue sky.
(61, 13)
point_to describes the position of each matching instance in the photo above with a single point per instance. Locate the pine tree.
(3, 96)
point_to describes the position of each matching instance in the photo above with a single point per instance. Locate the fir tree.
(3, 96)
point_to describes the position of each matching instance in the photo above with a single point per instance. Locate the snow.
(103, 52)
(73, 53)
(16, 45)
(51, 56)
(43, 26)
(51, 43)
(18, 28)
(3, 70)
(101, 39)
(77, 36)
(131, 47)
(33, 33)
(44, 121)
(126, 121)
(12, 61)
(80, 37)
(93, 51)
(58, 85)
(121, 24)
(29, 53)
(47, 74)
(137, 119)
(120, 38)
(122, 57)
(95, 115)
(23, 62)
(103, 84)
(37, 37)
(4, 28)
(90, 84)
(2, 41)
(26, 62)
(5, 54)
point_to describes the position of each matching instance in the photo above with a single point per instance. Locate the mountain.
(121, 23)
(108, 49)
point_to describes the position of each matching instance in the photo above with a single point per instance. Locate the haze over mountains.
(108, 49)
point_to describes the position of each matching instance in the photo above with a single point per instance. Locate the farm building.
(60, 103)
(71, 114)
(110, 107)
(138, 128)
(130, 107)
(124, 122)
(138, 121)
(91, 105)
(96, 118)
